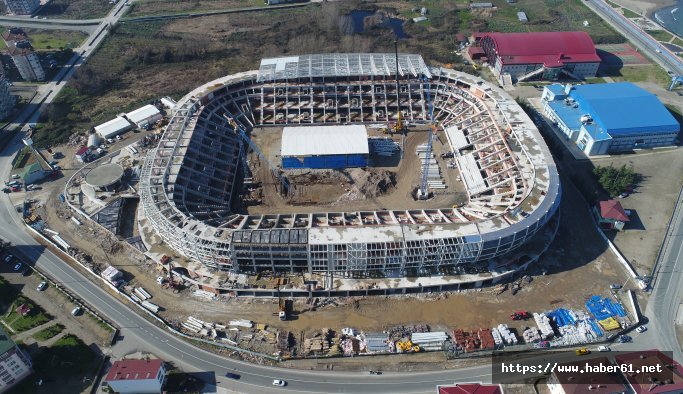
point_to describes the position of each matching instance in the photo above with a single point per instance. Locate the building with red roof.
(137, 376)
(586, 382)
(667, 375)
(542, 55)
(470, 388)
(611, 215)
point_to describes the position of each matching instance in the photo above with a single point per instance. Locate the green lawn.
(649, 73)
(170, 7)
(35, 317)
(630, 14)
(47, 333)
(76, 9)
(45, 40)
(660, 35)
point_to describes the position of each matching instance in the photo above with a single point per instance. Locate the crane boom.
(245, 138)
(432, 129)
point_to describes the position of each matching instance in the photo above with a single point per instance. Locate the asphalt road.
(633, 33)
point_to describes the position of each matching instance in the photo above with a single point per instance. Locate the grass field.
(48, 332)
(52, 39)
(646, 73)
(166, 7)
(76, 9)
(660, 35)
(34, 318)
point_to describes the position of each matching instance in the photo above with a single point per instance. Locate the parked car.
(582, 351)
(232, 375)
(110, 140)
(641, 329)
(118, 137)
(8, 258)
(77, 311)
(15, 176)
(615, 286)
(603, 348)
(53, 163)
(7, 190)
(16, 188)
(17, 266)
(42, 286)
(624, 195)
(625, 338)
(278, 382)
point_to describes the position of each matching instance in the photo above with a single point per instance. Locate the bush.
(47, 333)
(615, 181)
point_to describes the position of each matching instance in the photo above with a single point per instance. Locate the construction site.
(441, 171)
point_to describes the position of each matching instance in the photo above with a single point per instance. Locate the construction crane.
(399, 126)
(284, 185)
(423, 193)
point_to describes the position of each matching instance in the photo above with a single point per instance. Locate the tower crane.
(244, 138)
(423, 193)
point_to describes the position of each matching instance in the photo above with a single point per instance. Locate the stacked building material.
(241, 323)
(497, 338)
(603, 308)
(531, 335)
(283, 340)
(466, 340)
(316, 345)
(543, 323)
(383, 146)
(430, 340)
(508, 337)
(486, 339)
(376, 342)
(434, 180)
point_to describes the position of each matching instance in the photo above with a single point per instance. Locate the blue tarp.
(562, 317)
(603, 308)
(595, 327)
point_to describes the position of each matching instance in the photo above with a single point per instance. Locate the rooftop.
(134, 370)
(324, 140)
(340, 64)
(612, 209)
(471, 388)
(104, 175)
(669, 380)
(114, 125)
(6, 343)
(623, 108)
(552, 49)
(142, 113)
(589, 382)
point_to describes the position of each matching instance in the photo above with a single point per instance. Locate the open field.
(76, 9)
(651, 73)
(166, 7)
(47, 40)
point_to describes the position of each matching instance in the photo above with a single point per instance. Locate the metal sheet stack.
(430, 340)
(376, 342)
(509, 338)
(543, 323)
(383, 146)
(531, 335)
(434, 180)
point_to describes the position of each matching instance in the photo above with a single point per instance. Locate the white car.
(42, 286)
(278, 382)
(641, 329)
(76, 311)
(118, 137)
(603, 348)
(110, 140)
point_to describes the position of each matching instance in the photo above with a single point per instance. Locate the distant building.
(83, 155)
(666, 379)
(469, 388)
(142, 116)
(136, 376)
(113, 128)
(22, 7)
(586, 382)
(611, 215)
(7, 99)
(609, 118)
(545, 55)
(24, 57)
(14, 364)
(325, 147)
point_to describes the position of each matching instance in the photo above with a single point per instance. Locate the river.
(671, 17)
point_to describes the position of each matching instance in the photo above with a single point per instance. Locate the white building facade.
(27, 61)
(14, 364)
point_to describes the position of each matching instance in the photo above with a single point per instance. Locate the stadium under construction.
(191, 182)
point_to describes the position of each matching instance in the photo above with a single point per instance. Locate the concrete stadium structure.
(189, 181)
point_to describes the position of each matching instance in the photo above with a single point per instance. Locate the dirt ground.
(344, 194)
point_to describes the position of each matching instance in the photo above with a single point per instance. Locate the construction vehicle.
(284, 308)
(520, 315)
(500, 289)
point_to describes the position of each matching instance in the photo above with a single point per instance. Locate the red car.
(16, 188)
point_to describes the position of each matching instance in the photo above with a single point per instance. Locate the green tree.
(616, 180)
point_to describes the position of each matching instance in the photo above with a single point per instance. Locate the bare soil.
(354, 189)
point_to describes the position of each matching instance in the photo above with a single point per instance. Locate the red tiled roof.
(669, 380)
(553, 49)
(470, 388)
(83, 150)
(589, 382)
(134, 370)
(612, 209)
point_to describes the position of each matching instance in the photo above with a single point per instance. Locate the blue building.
(609, 118)
(324, 147)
